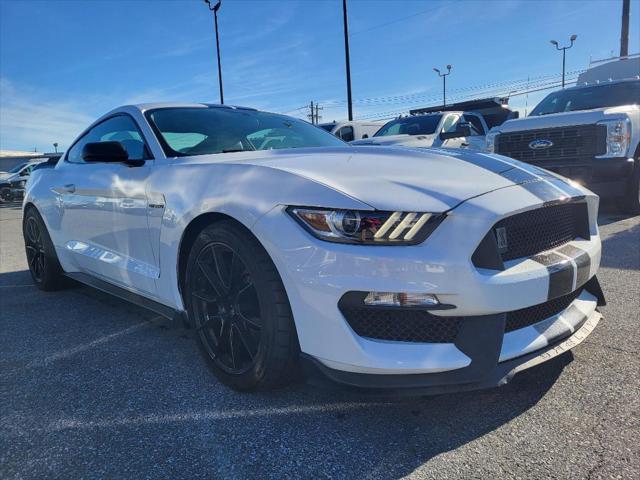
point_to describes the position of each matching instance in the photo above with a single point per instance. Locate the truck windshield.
(588, 98)
(203, 131)
(417, 125)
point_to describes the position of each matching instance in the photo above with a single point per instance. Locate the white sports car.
(283, 247)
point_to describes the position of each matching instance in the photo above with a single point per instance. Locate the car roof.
(152, 106)
(604, 83)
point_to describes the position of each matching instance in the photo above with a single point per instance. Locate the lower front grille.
(402, 325)
(525, 317)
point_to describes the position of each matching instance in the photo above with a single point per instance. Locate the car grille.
(577, 144)
(525, 317)
(402, 325)
(529, 233)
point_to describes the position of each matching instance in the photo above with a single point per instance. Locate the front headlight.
(366, 227)
(490, 139)
(618, 137)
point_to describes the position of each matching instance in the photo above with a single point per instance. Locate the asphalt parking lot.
(93, 387)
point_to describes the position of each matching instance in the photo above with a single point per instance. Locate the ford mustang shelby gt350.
(283, 247)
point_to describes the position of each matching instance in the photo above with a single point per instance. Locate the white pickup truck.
(454, 129)
(588, 133)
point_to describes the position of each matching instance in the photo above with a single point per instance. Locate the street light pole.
(55, 146)
(564, 52)
(215, 9)
(347, 61)
(444, 83)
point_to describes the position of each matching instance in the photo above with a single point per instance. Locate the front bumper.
(486, 373)
(317, 274)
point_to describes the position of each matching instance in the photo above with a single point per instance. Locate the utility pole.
(311, 115)
(444, 84)
(215, 9)
(624, 31)
(318, 107)
(347, 61)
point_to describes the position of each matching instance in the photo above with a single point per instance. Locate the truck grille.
(525, 317)
(576, 144)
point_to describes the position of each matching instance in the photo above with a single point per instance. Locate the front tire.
(238, 305)
(5, 194)
(44, 266)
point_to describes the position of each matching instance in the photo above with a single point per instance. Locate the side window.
(120, 128)
(449, 124)
(346, 134)
(27, 171)
(475, 123)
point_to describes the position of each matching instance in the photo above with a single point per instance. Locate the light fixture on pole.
(215, 9)
(55, 146)
(444, 83)
(564, 52)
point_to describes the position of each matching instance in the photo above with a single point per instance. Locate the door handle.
(69, 188)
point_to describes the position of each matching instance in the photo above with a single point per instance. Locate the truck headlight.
(366, 227)
(490, 139)
(618, 137)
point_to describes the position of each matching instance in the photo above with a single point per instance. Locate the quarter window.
(120, 128)
(345, 133)
(449, 124)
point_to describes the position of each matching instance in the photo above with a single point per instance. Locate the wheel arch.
(191, 232)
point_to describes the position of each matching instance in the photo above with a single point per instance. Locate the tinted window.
(17, 168)
(202, 131)
(588, 98)
(417, 125)
(475, 124)
(345, 133)
(327, 126)
(120, 128)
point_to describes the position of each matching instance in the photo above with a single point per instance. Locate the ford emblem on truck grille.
(540, 144)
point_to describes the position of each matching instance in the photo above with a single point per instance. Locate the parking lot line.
(49, 359)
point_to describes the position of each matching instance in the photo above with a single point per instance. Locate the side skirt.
(129, 296)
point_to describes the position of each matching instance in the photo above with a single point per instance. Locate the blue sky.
(63, 63)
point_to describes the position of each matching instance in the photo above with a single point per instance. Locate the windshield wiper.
(232, 150)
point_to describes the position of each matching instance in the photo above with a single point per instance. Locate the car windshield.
(598, 96)
(418, 125)
(17, 168)
(202, 131)
(327, 126)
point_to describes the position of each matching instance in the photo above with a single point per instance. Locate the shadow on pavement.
(142, 403)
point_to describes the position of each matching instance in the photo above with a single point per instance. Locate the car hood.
(7, 177)
(405, 179)
(404, 140)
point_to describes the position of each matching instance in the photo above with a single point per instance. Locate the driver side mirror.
(462, 130)
(107, 152)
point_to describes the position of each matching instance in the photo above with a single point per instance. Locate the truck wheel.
(43, 262)
(238, 305)
(630, 203)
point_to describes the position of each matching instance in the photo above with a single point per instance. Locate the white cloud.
(29, 120)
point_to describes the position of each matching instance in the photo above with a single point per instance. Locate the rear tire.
(44, 266)
(630, 203)
(239, 308)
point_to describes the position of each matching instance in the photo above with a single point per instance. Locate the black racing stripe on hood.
(546, 187)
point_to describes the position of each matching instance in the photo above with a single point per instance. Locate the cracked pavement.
(93, 387)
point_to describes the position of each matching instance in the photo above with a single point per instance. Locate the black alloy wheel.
(44, 266)
(238, 305)
(34, 243)
(226, 308)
